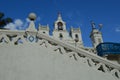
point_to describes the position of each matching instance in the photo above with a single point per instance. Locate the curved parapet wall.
(49, 59)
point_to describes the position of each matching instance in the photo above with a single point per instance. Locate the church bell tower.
(60, 31)
(96, 35)
(75, 33)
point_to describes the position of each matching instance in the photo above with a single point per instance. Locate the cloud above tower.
(17, 24)
(117, 29)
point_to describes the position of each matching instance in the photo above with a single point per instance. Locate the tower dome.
(32, 16)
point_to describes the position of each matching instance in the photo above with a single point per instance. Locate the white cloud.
(27, 20)
(19, 24)
(16, 25)
(117, 29)
(11, 26)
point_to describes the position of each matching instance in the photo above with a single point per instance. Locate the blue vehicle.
(108, 48)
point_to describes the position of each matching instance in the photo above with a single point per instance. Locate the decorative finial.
(59, 16)
(31, 27)
(100, 26)
(32, 16)
(93, 24)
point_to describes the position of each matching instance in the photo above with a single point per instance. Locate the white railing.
(92, 59)
(80, 51)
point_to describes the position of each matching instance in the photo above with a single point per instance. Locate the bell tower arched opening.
(60, 25)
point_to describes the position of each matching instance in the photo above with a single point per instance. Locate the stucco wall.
(35, 62)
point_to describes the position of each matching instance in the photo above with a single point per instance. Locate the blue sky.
(74, 12)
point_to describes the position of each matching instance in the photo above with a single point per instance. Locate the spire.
(93, 24)
(59, 16)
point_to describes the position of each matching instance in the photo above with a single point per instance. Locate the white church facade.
(73, 37)
(33, 54)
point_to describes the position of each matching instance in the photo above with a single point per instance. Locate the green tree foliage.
(4, 21)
